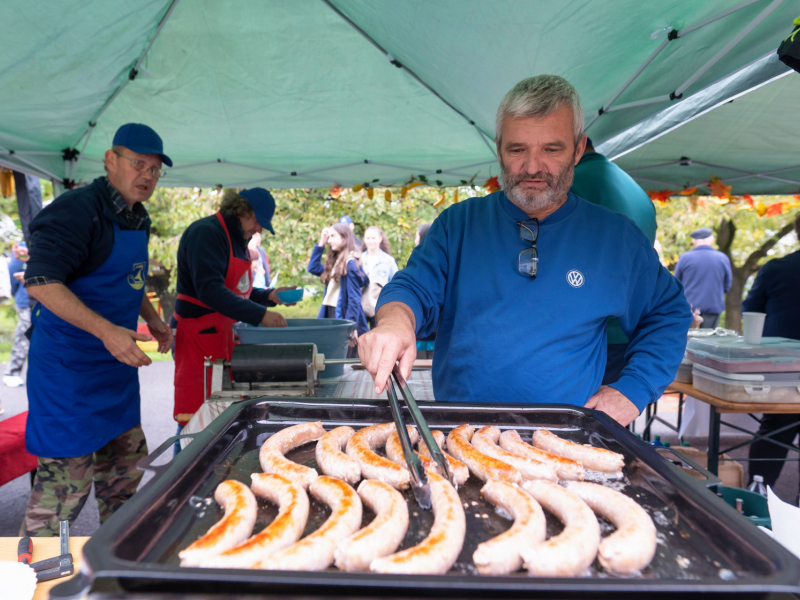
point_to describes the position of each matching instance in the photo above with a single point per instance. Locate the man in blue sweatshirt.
(521, 283)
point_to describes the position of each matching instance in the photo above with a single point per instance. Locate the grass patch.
(307, 308)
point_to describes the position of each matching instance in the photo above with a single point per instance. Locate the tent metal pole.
(199, 164)
(37, 169)
(36, 153)
(653, 181)
(486, 141)
(764, 173)
(83, 149)
(131, 74)
(716, 17)
(246, 166)
(398, 64)
(727, 48)
(650, 59)
(672, 36)
(321, 169)
(666, 164)
(636, 103)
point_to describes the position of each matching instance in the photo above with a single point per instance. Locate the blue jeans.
(177, 446)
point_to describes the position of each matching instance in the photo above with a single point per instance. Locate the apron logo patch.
(575, 279)
(244, 282)
(136, 277)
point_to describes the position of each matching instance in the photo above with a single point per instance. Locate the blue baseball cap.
(141, 139)
(346, 219)
(263, 205)
(702, 233)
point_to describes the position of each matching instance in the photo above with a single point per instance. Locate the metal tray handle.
(711, 479)
(146, 464)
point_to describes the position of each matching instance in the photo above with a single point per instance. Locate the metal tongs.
(419, 479)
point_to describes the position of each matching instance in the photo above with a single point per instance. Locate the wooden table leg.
(713, 440)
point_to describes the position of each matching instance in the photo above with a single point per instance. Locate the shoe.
(13, 381)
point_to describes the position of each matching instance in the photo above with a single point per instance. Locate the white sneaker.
(13, 381)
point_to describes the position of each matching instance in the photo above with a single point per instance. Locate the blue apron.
(80, 397)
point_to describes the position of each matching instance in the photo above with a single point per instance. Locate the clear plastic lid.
(771, 349)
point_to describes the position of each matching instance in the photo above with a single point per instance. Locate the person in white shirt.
(379, 265)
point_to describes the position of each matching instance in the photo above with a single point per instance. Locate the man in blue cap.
(215, 290)
(87, 270)
(706, 277)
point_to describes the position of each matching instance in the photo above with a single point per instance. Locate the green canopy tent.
(309, 93)
(747, 136)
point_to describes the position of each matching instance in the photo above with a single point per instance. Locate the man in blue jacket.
(552, 268)
(706, 277)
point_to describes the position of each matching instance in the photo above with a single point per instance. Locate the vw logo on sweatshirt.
(575, 278)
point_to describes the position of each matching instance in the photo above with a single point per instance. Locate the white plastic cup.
(753, 326)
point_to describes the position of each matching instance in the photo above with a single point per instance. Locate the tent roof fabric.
(313, 92)
(750, 139)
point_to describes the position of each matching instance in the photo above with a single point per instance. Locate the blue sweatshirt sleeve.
(657, 320)
(315, 265)
(756, 300)
(421, 285)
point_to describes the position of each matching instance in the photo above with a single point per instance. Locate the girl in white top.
(377, 261)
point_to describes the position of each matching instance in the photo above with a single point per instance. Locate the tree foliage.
(746, 230)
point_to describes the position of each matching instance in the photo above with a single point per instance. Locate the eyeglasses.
(528, 261)
(140, 166)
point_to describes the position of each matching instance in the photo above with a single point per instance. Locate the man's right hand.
(273, 319)
(393, 339)
(121, 343)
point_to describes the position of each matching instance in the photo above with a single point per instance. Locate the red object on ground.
(14, 459)
(142, 328)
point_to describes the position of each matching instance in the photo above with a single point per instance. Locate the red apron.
(209, 337)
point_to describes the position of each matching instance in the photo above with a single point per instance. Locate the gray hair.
(538, 97)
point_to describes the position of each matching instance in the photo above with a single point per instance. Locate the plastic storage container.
(754, 505)
(330, 335)
(734, 355)
(751, 387)
(684, 374)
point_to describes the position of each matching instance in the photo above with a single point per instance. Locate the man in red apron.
(215, 290)
(87, 269)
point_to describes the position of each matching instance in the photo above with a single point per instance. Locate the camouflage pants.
(21, 345)
(62, 485)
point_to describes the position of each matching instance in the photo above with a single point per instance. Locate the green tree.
(745, 232)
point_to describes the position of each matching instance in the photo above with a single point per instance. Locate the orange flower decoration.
(335, 191)
(688, 192)
(660, 196)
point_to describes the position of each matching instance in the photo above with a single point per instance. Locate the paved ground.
(157, 388)
(157, 395)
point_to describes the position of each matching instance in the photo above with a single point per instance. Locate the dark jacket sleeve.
(355, 281)
(207, 259)
(756, 300)
(261, 296)
(315, 265)
(60, 238)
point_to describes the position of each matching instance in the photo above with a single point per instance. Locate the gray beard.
(534, 200)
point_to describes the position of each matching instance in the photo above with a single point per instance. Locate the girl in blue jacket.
(342, 275)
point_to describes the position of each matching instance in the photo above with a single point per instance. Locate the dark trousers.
(615, 362)
(771, 469)
(710, 320)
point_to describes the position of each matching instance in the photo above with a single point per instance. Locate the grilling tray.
(704, 546)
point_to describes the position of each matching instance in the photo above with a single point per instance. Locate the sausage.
(458, 470)
(570, 553)
(632, 546)
(383, 535)
(271, 455)
(502, 554)
(482, 466)
(597, 459)
(440, 549)
(332, 461)
(284, 531)
(361, 448)
(235, 527)
(315, 551)
(485, 440)
(566, 469)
